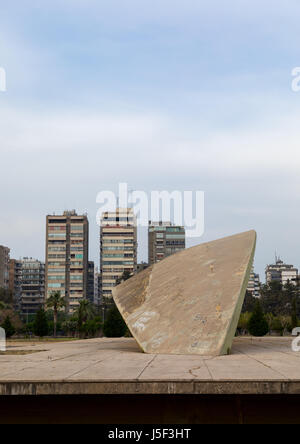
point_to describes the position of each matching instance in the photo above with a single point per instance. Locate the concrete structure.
(164, 239)
(117, 366)
(67, 244)
(4, 267)
(190, 303)
(15, 282)
(118, 247)
(110, 381)
(254, 284)
(32, 296)
(281, 272)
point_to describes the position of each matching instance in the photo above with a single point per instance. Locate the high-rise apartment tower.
(67, 241)
(4, 267)
(164, 239)
(118, 247)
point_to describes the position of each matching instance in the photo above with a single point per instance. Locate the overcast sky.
(161, 94)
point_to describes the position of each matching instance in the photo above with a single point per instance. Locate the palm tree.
(85, 312)
(57, 302)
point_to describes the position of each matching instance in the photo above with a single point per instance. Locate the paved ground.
(117, 366)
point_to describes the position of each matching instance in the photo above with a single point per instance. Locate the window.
(56, 278)
(56, 285)
(77, 228)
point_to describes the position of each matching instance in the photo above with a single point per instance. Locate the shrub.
(40, 326)
(258, 325)
(8, 327)
(114, 326)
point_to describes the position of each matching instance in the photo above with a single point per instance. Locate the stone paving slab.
(118, 366)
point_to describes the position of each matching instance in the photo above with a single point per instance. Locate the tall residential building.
(91, 282)
(15, 282)
(67, 240)
(32, 296)
(4, 267)
(118, 247)
(281, 272)
(254, 284)
(97, 287)
(164, 239)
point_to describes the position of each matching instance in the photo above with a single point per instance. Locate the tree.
(5, 296)
(70, 326)
(8, 327)
(280, 300)
(243, 322)
(57, 302)
(249, 303)
(40, 326)
(125, 276)
(114, 326)
(286, 322)
(272, 298)
(294, 318)
(92, 327)
(84, 313)
(258, 325)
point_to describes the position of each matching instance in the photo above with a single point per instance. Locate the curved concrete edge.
(63, 388)
(226, 348)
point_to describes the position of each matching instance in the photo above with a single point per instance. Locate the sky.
(162, 95)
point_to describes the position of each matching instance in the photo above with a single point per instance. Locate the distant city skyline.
(142, 248)
(167, 95)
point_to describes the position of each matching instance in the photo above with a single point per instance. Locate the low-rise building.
(15, 282)
(281, 272)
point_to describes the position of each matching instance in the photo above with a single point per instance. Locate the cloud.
(168, 10)
(65, 130)
(149, 142)
(161, 94)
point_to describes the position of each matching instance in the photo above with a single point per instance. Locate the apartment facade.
(32, 291)
(254, 284)
(281, 272)
(91, 282)
(15, 282)
(118, 248)
(164, 239)
(67, 240)
(97, 287)
(4, 267)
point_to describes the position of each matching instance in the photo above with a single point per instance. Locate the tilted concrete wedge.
(190, 302)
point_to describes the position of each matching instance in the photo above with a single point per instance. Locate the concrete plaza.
(257, 366)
